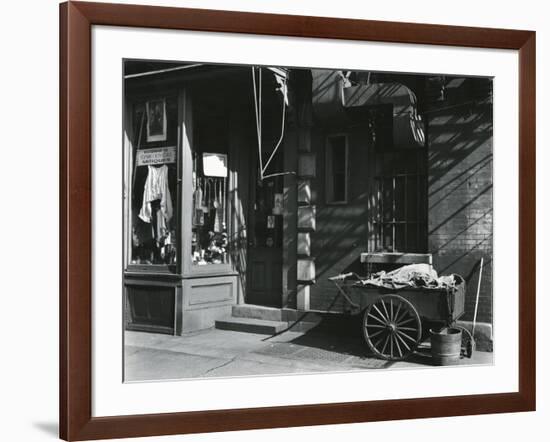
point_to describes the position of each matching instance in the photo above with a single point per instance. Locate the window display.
(154, 180)
(209, 235)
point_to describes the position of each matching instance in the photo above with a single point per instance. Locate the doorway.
(265, 244)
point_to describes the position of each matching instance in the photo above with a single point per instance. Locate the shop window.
(154, 206)
(210, 185)
(209, 237)
(336, 169)
(400, 219)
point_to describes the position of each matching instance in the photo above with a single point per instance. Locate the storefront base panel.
(204, 300)
(201, 319)
(180, 306)
(151, 307)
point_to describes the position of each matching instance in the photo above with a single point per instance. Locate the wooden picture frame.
(76, 21)
(156, 119)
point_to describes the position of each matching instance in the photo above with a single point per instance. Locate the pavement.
(225, 353)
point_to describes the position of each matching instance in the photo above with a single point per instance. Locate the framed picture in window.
(191, 257)
(156, 119)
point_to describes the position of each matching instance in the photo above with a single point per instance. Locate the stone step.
(257, 312)
(251, 325)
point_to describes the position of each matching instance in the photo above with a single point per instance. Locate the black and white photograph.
(282, 220)
(276, 220)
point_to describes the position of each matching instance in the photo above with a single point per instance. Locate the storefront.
(199, 221)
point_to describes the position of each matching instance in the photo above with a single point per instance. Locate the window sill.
(151, 270)
(336, 203)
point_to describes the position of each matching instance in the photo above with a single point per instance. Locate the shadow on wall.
(453, 137)
(336, 238)
(339, 240)
(460, 198)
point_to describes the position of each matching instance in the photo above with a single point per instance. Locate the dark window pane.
(400, 200)
(339, 186)
(336, 169)
(399, 196)
(400, 239)
(387, 199)
(413, 195)
(338, 150)
(388, 238)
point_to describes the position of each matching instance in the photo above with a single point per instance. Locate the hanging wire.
(260, 101)
(258, 127)
(258, 113)
(280, 138)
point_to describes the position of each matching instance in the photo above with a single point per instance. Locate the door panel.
(265, 282)
(150, 308)
(265, 242)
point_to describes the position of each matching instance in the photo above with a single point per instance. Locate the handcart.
(393, 319)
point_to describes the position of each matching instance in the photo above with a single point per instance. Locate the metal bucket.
(446, 344)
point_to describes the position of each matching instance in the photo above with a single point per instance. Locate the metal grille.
(400, 220)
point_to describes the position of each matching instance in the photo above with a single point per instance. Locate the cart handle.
(342, 276)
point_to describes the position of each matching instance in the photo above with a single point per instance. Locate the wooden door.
(265, 283)
(265, 243)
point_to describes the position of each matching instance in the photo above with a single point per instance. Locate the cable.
(258, 128)
(258, 113)
(280, 138)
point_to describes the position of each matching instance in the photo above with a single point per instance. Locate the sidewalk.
(223, 353)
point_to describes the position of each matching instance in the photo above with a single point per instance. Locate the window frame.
(329, 175)
(133, 99)
(183, 268)
(187, 142)
(420, 221)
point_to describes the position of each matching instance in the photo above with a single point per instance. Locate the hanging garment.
(205, 205)
(160, 228)
(216, 204)
(198, 217)
(156, 188)
(223, 196)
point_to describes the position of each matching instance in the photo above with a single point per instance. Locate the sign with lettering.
(160, 155)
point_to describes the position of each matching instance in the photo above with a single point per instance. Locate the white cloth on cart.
(413, 275)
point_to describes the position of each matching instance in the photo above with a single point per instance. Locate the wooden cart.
(393, 319)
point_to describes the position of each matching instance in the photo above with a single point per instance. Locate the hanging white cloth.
(156, 188)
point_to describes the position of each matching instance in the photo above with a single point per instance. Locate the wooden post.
(290, 219)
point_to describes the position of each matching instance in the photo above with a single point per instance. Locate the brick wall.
(460, 195)
(342, 231)
(460, 216)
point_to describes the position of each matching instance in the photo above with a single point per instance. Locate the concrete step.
(257, 312)
(251, 325)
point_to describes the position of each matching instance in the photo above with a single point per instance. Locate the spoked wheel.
(392, 327)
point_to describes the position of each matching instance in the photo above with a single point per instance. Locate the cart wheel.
(468, 342)
(392, 327)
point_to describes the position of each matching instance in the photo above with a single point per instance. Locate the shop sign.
(161, 155)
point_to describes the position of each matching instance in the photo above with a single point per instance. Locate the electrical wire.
(258, 113)
(258, 127)
(280, 138)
